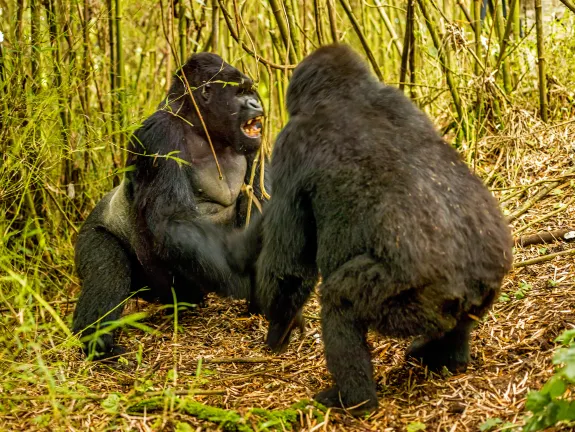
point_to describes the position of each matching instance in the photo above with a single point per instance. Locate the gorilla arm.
(286, 268)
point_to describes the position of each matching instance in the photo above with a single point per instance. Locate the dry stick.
(362, 39)
(569, 5)
(530, 202)
(566, 234)
(544, 258)
(388, 26)
(545, 217)
(223, 360)
(541, 60)
(258, 58)
(443, 60)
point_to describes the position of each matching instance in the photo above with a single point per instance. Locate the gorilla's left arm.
(164, 200)
(286, 270)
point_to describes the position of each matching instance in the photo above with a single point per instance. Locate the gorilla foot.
(437, 353)
(109, 355)
(278, 336)
(360, 403)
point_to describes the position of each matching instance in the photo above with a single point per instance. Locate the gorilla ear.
(207, 92)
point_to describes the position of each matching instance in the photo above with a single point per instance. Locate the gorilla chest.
(216, 195)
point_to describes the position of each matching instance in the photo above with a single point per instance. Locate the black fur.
(408, 241)
(170, 223)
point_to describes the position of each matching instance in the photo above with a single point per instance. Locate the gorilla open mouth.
(252, 128)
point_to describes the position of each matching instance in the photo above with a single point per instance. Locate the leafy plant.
(554, 403)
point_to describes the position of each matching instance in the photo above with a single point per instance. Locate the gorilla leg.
(105, 271)
(348, 360)
(451, 349)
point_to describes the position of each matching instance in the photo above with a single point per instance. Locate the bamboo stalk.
(318, 23)
(568, 5)
(362, 39)
(120, 70)
(389, 26)
(182, 32)
(541, 60)
(35, 39)
(332, 21)
(477, 30)
(443, 60)
(291, 12)
(500, 31)
(112, 53)
(247, 49)
(278, 12)
(406, 45)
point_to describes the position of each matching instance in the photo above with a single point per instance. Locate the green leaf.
(536, 401)
(567, 337)
(555, 387)
(112, 403)
(184, 427)
(415, 426)
(490, 424)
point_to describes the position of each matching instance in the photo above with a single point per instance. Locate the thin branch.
(362, 38)
(258, 58)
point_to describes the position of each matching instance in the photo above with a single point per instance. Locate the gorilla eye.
(206, 91)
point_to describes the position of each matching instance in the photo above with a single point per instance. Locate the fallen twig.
(543, 258)
(567, 234)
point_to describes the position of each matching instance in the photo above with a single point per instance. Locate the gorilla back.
(169, 222)
(408, 241)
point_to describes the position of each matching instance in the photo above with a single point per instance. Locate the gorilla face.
(226, 98)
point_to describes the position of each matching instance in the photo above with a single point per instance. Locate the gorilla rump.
(408, 241)
(168, 224)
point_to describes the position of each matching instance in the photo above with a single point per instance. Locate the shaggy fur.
(408, 241)
(168, 225)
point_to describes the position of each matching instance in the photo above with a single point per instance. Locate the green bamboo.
(362, 39)
(120, 72)
(278, 12)
(35, 39)
(112, 53)
(291, 12)
(182, 32)
(446, 70)
(505, 39)
(332, 21)
(541, 60)
(318, 22)
(500, 31)
(477, 30)
(406, 45)
(389, 26)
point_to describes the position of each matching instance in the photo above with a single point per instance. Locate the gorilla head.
(226, 99)
(332, 74)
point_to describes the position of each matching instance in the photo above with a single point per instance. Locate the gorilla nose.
(254, 105)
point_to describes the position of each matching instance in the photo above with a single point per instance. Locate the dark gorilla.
(408, 241)
(168, 225)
